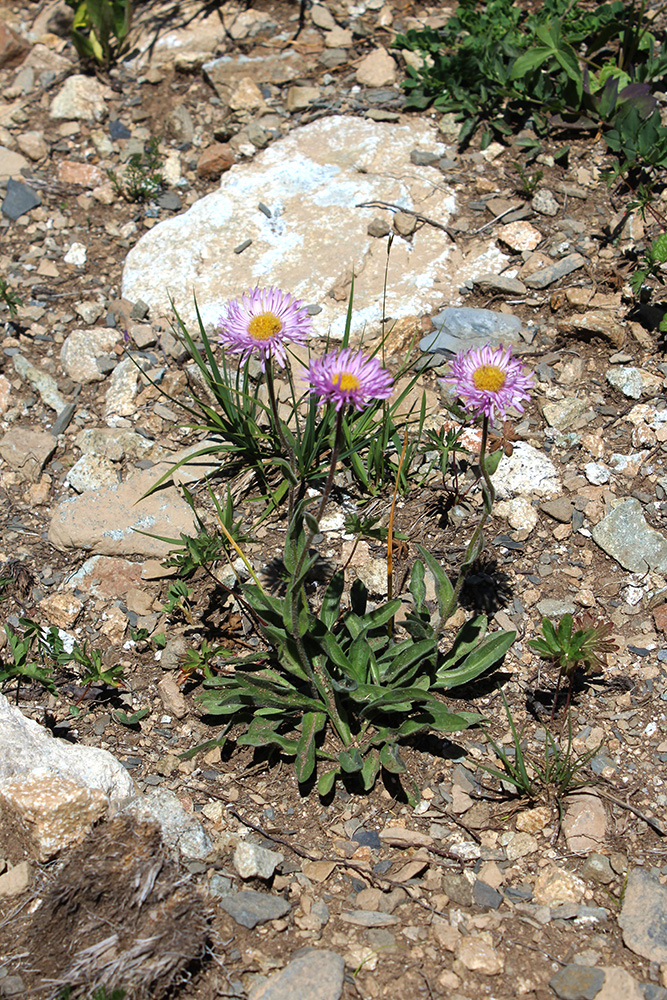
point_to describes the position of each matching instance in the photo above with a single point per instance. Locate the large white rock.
(27, 747)
(313, 181)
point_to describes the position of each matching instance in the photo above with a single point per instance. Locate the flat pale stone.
(109, 521)
(16, 880)
(312, 181)
(49, 813)
(61, 609)
(316, 975)
(625, 535)
(585, 823)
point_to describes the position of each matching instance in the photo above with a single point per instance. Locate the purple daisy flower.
(264, 320)
(489, 380)
(349, 377)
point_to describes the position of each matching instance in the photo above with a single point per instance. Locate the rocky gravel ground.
(262, 892)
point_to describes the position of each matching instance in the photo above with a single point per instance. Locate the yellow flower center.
(489, 378)
(264, 326)
(346, 382)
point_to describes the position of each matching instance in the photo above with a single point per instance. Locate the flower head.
(264, 320)
(349, 377)
(490, 380)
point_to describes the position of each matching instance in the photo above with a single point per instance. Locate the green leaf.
(492, 649)
(369, 771)
(327, 781)
(444, 591)
(331, 602)
(313, 723)
(391, 759)
(660, 248)
(417, 587)
(350, 760)
(530, 60)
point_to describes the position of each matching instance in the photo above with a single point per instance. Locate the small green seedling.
(10, 298)
(569, 647)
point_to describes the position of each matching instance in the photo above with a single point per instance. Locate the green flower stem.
(476, 543)
(318, 676)
(332, 469)
(289, 452)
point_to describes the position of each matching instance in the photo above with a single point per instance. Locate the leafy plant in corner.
(100, 28)
(23, 667)
(652, 266)
(9, 297)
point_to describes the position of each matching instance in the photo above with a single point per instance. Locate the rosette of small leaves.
(338, 692)
(569, 647)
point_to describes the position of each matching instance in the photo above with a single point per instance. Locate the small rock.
(76, 255)
(80, 97)
(629, 381)
(368, 918)
(315, 975)
(458, 887)
(32, 144)
(560, 509)
(180, 829)
(458, 328)
(555, 886)
(27, 451)
(499, 284)
(19, 199)
(520, 236)
(597, 868)
(45, 384)
(584, 822)
(13, 47)
(215, 160)
(577, 982)
(552, 607)
(11, 163)
(563, 413)
(79, 174)
(378, 228)
(404, 223)
(545, 203)
(548, 275)
(322, 17)
(643, 916)
(597, 473)
(61, 609)
(485, 895)
(477, 953)
(620, 985)
(250, 908)
(119, 398)
(526, 471)
(15, 881)
(172, 697)
(253, 861)
(299, 98)
(377, 69)
(246, 96)
(533, 820)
